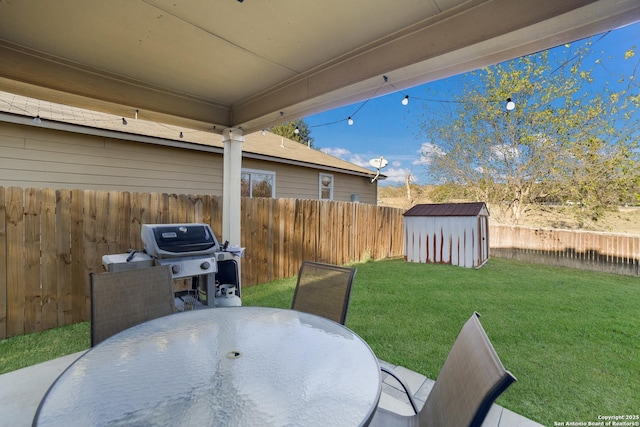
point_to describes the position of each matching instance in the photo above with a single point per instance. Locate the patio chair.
(470, 380)
(123, 299)
(324, 289)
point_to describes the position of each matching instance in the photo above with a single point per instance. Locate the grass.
(26, 350)
(571, 337)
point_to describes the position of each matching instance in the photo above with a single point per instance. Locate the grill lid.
(172, 240)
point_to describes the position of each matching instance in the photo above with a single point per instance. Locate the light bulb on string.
(296, 131)
(181, 135)
(124, 121)
(510, 105)
(37, 120)
(405, 100)
(350, 121)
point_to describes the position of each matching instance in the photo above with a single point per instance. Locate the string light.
(405, 101)
(349, 120)
(101, 119)
(510, 106)
(181, 134)
(36, 120)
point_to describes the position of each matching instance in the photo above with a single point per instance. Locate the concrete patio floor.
(22, 390)
(394, 399)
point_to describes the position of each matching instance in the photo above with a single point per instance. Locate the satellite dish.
(378, 163)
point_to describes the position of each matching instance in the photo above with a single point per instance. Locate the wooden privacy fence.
(51, 240)
(605, 252)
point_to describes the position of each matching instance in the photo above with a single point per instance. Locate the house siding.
(302, 182)
(46, 158)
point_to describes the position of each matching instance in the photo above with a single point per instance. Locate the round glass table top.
(235, 366)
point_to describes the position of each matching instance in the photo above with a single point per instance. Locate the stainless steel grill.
(178, 240)
(192, 251)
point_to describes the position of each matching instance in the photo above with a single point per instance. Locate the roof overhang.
(226, 64)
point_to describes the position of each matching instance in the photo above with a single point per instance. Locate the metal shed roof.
(449, 209)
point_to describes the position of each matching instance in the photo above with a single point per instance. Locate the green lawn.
(26, 350)
(572, 338)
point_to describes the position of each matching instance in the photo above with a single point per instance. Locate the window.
(257, 183)
(326, 186)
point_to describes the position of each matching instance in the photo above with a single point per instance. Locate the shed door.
(483, 238)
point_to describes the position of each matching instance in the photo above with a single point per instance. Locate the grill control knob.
(205, 265)
(175, 269)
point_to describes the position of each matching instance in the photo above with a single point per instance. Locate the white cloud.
(341, 153)
(427, 152)
(502, 151)
(359, 160)
(395, 175)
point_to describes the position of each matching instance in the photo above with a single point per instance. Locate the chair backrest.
(324, 289)
(470, 380)
(120, 300)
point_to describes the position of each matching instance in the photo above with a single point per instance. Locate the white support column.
(232, 138)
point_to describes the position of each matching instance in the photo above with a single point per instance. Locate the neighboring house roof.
(449, 209)
(269, 147)
(274, 147)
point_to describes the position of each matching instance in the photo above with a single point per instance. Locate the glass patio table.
(232, 366)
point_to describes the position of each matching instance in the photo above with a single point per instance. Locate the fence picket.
(82, 250)
(32, 239)
(49, 260)
(64, 292)
(292, 244)
(124, 222)
(3, 265)
(598, 251)
(15, 269)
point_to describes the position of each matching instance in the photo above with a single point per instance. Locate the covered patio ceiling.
(220, 64)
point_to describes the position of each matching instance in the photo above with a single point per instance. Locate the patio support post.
(232, 139)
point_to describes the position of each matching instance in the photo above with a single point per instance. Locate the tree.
(288, 130)
(566, 141)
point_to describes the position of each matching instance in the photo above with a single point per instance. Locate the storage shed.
(447, 233)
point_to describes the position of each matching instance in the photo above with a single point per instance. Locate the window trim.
(320, 176)
(251, 172)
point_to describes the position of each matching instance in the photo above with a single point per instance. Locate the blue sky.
(385, 127)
